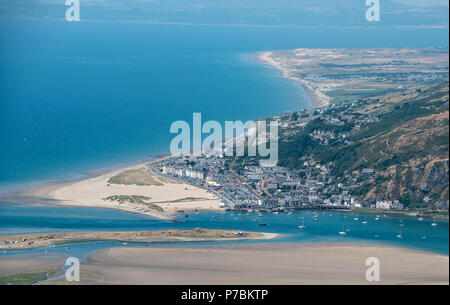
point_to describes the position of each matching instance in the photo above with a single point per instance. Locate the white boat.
(343, 231)
(364, 222)
(356, 218)
(303, 224)
(433, 224)
(400, 235)
(420, 218)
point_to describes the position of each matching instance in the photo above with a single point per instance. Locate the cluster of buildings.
(256, 187)
(246, 185)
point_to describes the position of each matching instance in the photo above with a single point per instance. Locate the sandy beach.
(262, 264)
(32, 241)
(98, 191)
(318, 98)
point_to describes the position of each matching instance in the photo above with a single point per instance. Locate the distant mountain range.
(246, 12)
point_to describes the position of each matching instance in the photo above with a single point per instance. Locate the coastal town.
(244, 185)
(362, 145)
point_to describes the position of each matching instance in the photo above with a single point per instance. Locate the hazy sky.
(410, 2)
(422, 2)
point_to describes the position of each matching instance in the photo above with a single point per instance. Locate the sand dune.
(91, 192)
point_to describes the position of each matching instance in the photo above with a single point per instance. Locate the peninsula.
(30, 241)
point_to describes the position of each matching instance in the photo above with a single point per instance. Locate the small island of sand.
(30, 241)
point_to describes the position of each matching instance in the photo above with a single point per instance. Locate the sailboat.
(343, 231)
(433, 224)
(303, 224)
(316, 217)
(400, 235)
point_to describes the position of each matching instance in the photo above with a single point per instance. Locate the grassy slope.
(408, 146)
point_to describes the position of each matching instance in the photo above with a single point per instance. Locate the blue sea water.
(80, 97)
(415, 234)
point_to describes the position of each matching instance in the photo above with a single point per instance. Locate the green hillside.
(405, 140)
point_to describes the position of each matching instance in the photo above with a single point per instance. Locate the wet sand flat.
(263, 264)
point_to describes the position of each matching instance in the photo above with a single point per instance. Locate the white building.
(384, 204)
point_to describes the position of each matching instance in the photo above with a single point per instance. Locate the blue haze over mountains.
(251, 12)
